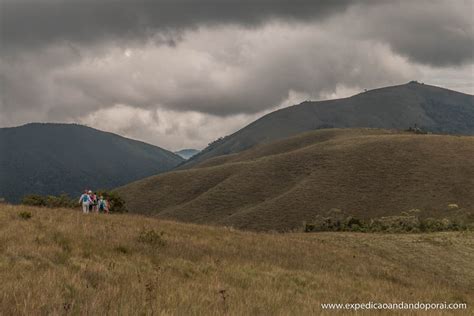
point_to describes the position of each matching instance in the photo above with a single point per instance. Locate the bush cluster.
(151, 237)
(25, 215)
(117, 203)
(62, 200)
(407, 222)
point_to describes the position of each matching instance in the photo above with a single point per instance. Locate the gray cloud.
(223, 71)
(433, 32)
(27, 23)
(436, 32)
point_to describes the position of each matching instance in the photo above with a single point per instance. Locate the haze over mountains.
(431, 108)
(186, 153)
(66, 158)
(364, 172)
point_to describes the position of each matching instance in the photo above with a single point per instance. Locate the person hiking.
(103, 205)
(95, 200)
(86, 201)
(91, 204)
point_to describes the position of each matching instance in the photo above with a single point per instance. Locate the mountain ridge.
(432, 108)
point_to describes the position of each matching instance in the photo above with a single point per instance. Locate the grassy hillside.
(364, 172)
(66, 158)
(64, 262)
(432, 108)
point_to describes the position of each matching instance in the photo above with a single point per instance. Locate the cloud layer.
(179, 74)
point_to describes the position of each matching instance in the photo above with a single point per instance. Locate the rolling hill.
(432, 108)
(66, 158)
(364, 172)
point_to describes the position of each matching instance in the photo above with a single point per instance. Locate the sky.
(181, 73)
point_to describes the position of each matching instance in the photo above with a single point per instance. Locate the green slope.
(365, 172)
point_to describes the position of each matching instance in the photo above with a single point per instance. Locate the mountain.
(366, 173)
(187, 153)
(55, 158)
(431, 108)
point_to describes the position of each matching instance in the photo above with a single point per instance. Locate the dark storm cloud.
(26, 23)
(189, 71)
(433, 32)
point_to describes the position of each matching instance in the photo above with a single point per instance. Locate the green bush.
(25, 215)
(34, 200)
(116, 202)
(407, 222)
(62, 200)
(151, 237)
(395, 224)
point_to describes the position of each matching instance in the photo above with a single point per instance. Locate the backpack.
(85, 198)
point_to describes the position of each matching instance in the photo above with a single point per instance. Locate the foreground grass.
(61, 262)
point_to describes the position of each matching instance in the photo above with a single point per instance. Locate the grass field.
(63, 262)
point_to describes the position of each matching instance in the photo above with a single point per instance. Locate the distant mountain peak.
(187, 153)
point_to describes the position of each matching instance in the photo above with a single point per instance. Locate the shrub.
(62, 200)
(116, 202)
(404, 223)
(395, 224)
(151, 237)
(122, 249)
(34, 200)
(25, 215)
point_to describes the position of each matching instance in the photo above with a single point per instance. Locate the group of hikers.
(91, 203)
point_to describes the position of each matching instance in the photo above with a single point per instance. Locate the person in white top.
(85, 200)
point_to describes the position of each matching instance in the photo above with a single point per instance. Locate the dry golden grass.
(366, 173)
(63, 262)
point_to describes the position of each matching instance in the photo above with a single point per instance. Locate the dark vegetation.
(25, 215)
(151, 237)
(50, 159)
(406, 222)
(434, 109)
(117, 203)
(367, 173)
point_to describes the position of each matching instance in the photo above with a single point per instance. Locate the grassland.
(366, 173)
(60, 261)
